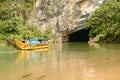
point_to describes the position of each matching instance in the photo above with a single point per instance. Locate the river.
(67, 61)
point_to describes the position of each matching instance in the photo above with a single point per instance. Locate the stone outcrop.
(63, 16)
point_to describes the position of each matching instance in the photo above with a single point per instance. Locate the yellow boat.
(25, 46)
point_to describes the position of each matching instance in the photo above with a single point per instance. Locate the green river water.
(67, 61)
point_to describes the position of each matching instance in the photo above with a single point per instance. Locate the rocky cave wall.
(63, 16)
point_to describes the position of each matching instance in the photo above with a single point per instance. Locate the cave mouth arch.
(79, 36)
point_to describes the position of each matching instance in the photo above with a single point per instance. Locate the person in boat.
(43, 41)
(26, 40)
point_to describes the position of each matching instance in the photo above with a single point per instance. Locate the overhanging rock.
(64, 16)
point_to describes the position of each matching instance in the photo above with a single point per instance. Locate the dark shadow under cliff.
(79, 36)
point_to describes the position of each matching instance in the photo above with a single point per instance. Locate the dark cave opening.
(79, 36)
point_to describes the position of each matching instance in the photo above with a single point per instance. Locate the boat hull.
(25, 46)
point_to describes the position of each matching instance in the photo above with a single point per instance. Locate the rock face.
(63, 16)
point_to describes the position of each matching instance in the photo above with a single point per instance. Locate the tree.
(13, 15)
(104, 24)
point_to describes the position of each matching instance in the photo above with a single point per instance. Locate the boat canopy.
(33, 41)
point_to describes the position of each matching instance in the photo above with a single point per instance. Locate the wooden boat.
(25, 46)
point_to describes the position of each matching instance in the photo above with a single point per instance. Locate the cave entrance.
(79, 36)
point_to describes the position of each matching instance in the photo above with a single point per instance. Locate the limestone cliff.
(64, 16)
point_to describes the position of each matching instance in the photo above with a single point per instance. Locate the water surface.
(68, 61)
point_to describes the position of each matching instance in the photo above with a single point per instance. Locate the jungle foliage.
(104, 24)
(13, 17)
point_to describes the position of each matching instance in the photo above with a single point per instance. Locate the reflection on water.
(68, 61)
(30, 55)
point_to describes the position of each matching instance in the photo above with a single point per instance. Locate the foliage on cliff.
(104, 24)
(13, 16)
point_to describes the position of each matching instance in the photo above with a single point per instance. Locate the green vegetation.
(104, 24)
(48, 32)
(49, 11)
(13, 16)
